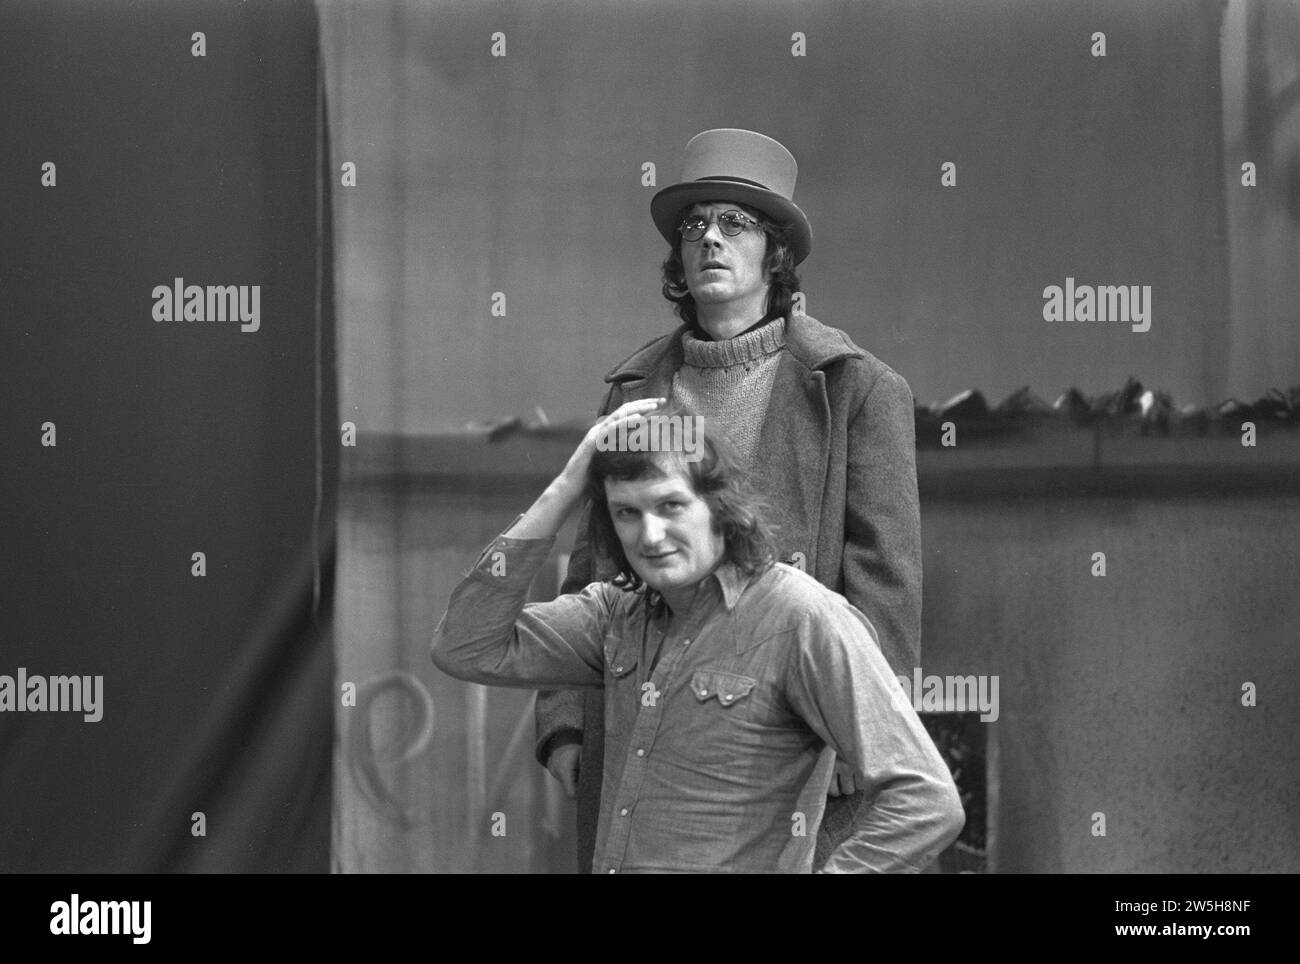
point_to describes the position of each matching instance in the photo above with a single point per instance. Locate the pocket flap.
(619, 660)
(727, 687)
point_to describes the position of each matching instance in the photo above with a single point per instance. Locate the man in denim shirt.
(731, 681)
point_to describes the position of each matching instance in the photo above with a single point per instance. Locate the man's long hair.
(716, 478)
(778, 262)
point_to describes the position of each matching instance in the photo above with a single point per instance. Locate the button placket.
(645, 727)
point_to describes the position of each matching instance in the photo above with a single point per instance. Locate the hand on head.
(575, 473)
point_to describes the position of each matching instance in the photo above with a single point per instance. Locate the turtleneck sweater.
(729, 382)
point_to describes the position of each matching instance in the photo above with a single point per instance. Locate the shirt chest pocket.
(719, 729)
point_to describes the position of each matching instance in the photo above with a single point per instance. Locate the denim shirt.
(719, 735)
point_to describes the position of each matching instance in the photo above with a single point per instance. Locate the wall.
(443, 756)
(1122, 694)
(522, 175)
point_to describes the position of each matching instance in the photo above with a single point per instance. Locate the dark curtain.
(171, 437)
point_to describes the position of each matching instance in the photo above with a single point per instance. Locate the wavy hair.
(778, 263)
(736, 512)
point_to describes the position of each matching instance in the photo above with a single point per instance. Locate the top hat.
(728, 164)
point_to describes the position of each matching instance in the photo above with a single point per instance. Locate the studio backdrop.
(167, 341)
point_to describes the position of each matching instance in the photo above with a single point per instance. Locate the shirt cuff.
(559, 738)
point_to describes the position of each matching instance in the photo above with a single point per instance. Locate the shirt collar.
(732, 582)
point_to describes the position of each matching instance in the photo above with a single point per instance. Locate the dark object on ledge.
(1074, 404)
(1023, 402)
(1154, 411)
(967, 404)
(1123, 402)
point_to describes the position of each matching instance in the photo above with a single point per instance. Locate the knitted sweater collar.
(813, 344)
(753, 345)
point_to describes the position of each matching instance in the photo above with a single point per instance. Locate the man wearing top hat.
(824, 428)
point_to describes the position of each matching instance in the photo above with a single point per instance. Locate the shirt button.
(640, 752)
(623, 812)
(612, 870)
(686, 642)
(618, 669)
(704, 692)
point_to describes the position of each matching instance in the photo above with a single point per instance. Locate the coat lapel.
(794, 452)
(653, 385)
(649, 373)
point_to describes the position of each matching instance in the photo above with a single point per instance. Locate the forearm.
(546, 516)
(847, 693)
(907, 826)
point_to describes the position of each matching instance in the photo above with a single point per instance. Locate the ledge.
(1040, 457)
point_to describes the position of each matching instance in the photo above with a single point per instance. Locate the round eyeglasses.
(732, 223)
